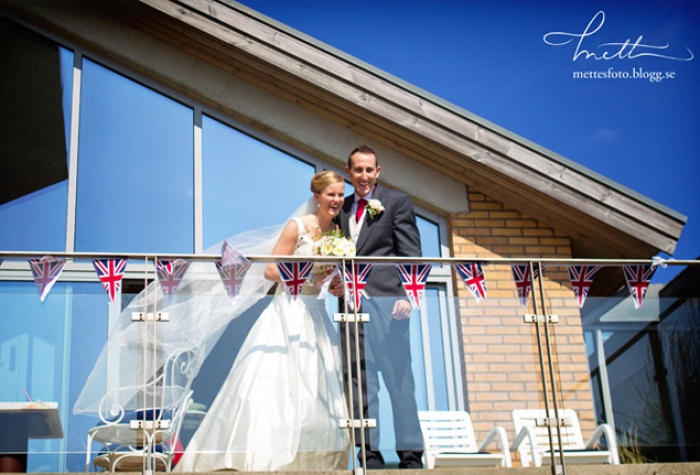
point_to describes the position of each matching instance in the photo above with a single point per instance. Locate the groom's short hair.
(363, 149)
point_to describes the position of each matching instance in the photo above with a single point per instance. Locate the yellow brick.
(505, 368)
(480, 386)
(485, 206)
(473, 231)
(505, 214)
(564, 242)
(462, 223)
(490, 241)
(524, 241)
(506, 232)
(537, 232)
(489, 358)
(489, 223)
(508, 387)
(521, 223)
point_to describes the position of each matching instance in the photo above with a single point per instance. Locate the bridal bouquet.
(332, 244)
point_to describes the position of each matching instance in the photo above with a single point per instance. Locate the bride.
(280, 406)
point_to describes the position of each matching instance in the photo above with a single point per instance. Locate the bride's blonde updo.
(322, 179)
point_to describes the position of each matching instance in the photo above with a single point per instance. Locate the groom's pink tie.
(361, 203)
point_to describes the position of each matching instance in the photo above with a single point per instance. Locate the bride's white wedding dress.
(280, 406)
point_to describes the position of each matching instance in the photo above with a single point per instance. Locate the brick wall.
(502, 366)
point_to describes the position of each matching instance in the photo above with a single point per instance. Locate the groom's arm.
(407, 244)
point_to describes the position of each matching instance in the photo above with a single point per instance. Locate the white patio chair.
(532, 439)
(125, 448)
(449, 441)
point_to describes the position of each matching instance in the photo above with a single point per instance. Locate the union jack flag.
(110, 272)
(581, 281)
(170, 274)
(523, 281)
(46, 272)
(294, 275)
(413, 278)
(232, 276)
(473, 276)
(230, 256)
(638, 278)
(356, 281)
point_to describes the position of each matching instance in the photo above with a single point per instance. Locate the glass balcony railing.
(220, 370)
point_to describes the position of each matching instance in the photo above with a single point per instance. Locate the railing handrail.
(16, 255)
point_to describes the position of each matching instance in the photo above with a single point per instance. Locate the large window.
(35, 87)
(135, 171)
(246, 183)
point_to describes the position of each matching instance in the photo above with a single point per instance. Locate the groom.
(386, 229)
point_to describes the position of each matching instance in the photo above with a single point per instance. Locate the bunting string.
(233, 266)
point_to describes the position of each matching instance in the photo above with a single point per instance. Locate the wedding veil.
(136, 352)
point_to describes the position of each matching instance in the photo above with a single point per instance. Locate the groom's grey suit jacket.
(391, 233)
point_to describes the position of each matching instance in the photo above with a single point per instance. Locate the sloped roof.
(603, 218)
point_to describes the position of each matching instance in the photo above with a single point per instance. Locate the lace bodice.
(305, 247)
(305, 244)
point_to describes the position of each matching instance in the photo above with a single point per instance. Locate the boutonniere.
(374, 208)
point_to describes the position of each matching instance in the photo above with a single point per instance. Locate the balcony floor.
(625, 469)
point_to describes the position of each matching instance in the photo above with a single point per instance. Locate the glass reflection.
(246, 183)
(135, 168)
(35, 89)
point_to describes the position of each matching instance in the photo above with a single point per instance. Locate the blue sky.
(491, 59)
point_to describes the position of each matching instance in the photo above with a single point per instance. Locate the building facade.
(153, 127)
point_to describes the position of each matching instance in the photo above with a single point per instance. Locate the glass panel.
(500, 361)
(135, 168)
(35, 90)
(247, 184)
(271, 371)
(46, 352)
(679, 341)
(644, 369)
(652, 370)
(439, 354)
